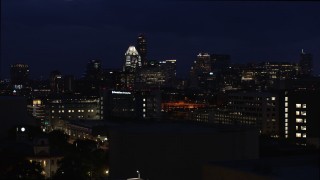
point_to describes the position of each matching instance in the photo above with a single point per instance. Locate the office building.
(300, 120)
(132, 60)
(56, 82)
(19, 75)
(142, 49)
(305, 64)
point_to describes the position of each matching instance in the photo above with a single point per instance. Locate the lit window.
(62, 111)
(79, 110)
(52, 111)
(304, 135)
(304, 105)
(286, 99)
(286, 115)
(298, 135)
(286, 120)
(286, 128)
(286, 104)
(144, 105)
(144, 99)
(297, 112)
(303, 113)
(286, 132)
(69, 111)
(286, 136)
(273, 98)
(285, 109)
(89, 110)
(299, 120)
(305, 120)
(286, 124)
(297, 127)
(144, 110)
(298, 105)
(304, 128)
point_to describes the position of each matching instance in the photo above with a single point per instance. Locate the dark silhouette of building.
(56, 82)
(19, 75)
(142, 49)
(306, 63)
(94, 70)
(220, 62)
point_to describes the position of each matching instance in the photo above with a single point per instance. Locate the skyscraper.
(19, 75)
(132, 60)
(306, 63)
(94, 70)
(142, 49)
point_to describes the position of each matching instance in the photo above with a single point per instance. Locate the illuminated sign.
(120, 92)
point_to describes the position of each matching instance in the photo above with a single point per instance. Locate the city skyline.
(61, 34)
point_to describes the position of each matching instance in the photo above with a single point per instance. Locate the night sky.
(66, 34)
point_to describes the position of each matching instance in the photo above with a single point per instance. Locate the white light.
(120, 92)
(23, 129)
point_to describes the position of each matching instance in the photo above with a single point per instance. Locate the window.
(286, 120)
(304, 128)
(273, 98)
(286, 124)
(285, 109)
(299, 120)
(286, 99)
(304, 105)
(52, 111)
(304, 135)
(286, 104)
(297, 112)
(286, 115)
(298, 135)
(298, 105)
(286, 128)
(303, 113)
(297, 128)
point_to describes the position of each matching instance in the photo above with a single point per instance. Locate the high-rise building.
(19, 75)
(300, 116)
(220, 61)
(94, 70)
(169, 69)
(306, 63)
(201, 67)
(56, 82)
(142, 49)
(132, 60)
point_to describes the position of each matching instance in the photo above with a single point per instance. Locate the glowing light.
(23, 129)
(120, 92)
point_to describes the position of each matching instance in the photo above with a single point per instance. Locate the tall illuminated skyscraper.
(142, 49)
(132, 60)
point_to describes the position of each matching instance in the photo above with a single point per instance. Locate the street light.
(138, 174)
